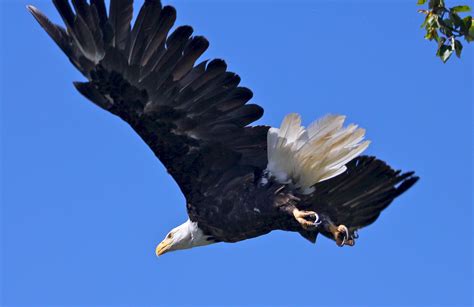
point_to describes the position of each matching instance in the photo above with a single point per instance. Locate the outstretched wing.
(193, 117)
(356, 197)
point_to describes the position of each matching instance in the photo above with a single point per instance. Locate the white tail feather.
(305, 157)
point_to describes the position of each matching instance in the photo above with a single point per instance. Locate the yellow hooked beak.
(163, 247)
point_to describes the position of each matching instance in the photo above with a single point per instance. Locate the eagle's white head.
(186, 235)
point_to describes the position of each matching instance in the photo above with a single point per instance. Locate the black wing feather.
(156, 43)
(99, 6)
(143, 29)
(193, 117)
(65, 11)
(120, 16)
(57, 33)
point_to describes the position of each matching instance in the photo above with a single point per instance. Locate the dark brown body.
(245, 210)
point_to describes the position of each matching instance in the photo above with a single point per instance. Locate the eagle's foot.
(342, 235)
(309, 220)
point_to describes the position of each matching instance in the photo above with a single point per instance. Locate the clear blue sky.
(84, 201)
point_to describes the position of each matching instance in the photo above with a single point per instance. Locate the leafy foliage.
(444, 26)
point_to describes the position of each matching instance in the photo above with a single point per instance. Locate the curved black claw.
(317, 220)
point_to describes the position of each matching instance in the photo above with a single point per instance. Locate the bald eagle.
(239, 181)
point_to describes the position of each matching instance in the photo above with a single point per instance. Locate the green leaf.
(470, 36)
(428, 21)
(429, 35)
(446, 31)
(446, 22)
(458, 48)
(441, 41)
(440, 49)
(432, 34)
(467, 21)
(467, 24)
(435, 3)
(421, 2)
(445, 53)
(460, 8)
(425, 22)
(456, 20)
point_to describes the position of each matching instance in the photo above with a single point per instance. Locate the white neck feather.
(188, 235)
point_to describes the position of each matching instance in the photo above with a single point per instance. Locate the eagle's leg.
(341, 233)
(309, 220)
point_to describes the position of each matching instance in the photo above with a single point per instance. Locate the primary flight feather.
(239, 181)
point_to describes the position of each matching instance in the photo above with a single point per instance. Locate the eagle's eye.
(169, 236)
